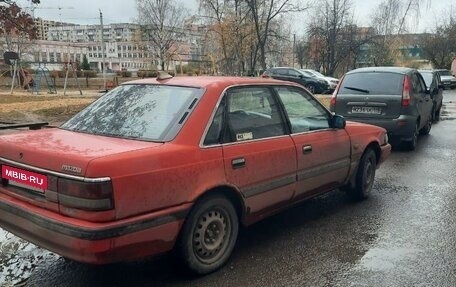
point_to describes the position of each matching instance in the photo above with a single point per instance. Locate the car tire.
(311, 88)
(427, 128)
(209, 234)
(437, 114)
(365, 176)
(411, 145)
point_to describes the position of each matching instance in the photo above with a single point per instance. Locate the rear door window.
(373, 83)
(252, 113)
(418, 84)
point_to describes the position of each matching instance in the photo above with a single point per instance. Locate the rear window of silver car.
(144, 112)
(372, 83)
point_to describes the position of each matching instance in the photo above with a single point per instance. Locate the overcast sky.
(122, 11)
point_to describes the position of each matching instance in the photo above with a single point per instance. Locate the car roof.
(208, 81)
(274, 68)
(398, 70)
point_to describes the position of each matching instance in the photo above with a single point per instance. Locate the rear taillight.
(91, 196)
(406, 92)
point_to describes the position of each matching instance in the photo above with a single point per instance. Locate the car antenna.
(163, 76)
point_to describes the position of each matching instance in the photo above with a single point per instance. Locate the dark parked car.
(394, 98)
(435, 88)
(448, 80)
(313, 84)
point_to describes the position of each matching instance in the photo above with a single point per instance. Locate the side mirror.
(338, 122)
(301, 76)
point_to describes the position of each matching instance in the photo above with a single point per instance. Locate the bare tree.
(440, 46)
(392, 17)
(162, 23)
(334, 35)
(264, 12)
(302, 51)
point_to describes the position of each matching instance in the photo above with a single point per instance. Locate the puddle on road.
(18, 259)
(380, 259)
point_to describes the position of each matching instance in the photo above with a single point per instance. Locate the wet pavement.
(403, 235)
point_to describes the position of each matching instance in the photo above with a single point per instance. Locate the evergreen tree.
(85, 63)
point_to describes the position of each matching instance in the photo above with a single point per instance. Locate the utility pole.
(103, 51)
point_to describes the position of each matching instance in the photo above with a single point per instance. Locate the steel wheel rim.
(369, 172)
(211, 235)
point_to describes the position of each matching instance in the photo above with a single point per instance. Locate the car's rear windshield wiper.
(357, 89)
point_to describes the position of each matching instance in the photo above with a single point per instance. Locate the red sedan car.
(179, 163)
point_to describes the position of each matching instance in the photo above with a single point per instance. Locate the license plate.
(36, 181)
(367, 110)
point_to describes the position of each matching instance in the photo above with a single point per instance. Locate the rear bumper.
(94, 243)
(449, 84)
(399, 129)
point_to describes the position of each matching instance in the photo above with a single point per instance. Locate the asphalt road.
(403, 235)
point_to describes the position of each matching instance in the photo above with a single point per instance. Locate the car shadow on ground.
(167, 271)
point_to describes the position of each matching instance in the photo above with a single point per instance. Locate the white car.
(332, 82)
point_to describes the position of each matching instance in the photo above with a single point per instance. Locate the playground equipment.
(23, 78)
(43, 72)
(73, 66)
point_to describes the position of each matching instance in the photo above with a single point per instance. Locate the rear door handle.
(306, 149)
(238, 163)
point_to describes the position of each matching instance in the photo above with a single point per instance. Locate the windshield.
(146, 112)
(427, 78)
(445, 73)
(319, 74)
(307, 73)
(373, 83)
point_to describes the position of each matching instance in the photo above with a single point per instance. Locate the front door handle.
(306, 149)
(238, 163)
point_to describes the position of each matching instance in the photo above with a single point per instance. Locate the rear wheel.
(209, 234)
(427, 128)
(365, 176)
(437, 114)
(411, 145)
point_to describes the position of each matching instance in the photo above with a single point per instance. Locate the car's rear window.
(373, 83)
(144, 112)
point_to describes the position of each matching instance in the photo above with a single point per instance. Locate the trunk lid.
(370, 95)
(63, 151)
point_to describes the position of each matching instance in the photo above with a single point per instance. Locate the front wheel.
(311, 88)
(209, 234)
(365, 176)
